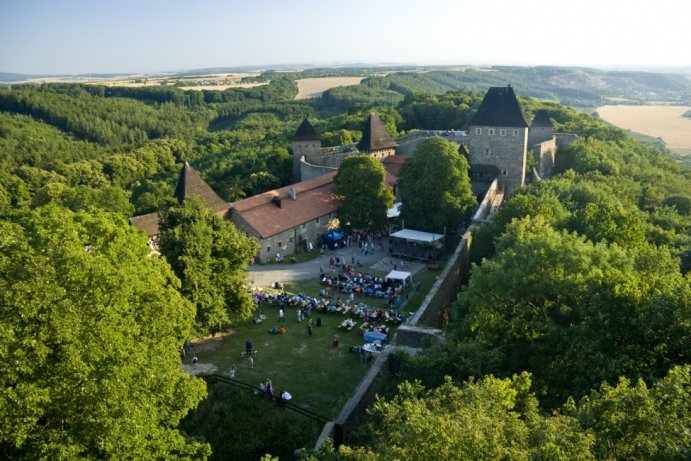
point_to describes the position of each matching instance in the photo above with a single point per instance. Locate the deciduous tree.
(90, 327)
(209, 256)
(435, 187)
(361, 183)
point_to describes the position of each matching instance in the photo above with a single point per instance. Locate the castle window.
(317, 220)
(478, 130)
(515, 132)
(280, 244)
(486, 151)
(303, 225)
(505, 172)
(290, 240)
(490, 131)
(268, 249)
(502, 132)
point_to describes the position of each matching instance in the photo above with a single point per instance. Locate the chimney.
(276, 200)
(293, 193)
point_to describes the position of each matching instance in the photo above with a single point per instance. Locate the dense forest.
(570, 341)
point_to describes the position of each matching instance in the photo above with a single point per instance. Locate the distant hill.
(9, 77)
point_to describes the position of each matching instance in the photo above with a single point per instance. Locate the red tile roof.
(314, 198)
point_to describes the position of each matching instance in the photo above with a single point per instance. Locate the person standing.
(309, 327)
(248, 348)
(281, 315)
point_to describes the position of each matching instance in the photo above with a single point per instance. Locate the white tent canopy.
(417, 236)
(405, 277)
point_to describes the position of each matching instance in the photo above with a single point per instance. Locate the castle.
(311, 160)
(293, 218)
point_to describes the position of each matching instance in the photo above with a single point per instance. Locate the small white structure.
(406, 278)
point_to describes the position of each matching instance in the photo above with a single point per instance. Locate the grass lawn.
(319, 376)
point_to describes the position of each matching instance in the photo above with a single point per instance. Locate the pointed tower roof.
(190, 184)
(306, 132)
(499, 108)
(375, 136)
(542, 120)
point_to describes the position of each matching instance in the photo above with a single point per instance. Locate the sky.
(145, 36)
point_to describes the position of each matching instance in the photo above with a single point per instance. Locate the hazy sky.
(84, 36)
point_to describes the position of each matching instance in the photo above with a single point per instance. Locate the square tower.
(498, 137)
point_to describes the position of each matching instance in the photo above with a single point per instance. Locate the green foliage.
(361, 183)
(90, 325)
(575, 313)
(438, 112)
(209, 256)
(636, 422)
(489, 419)
(435, 187)
(241, 426)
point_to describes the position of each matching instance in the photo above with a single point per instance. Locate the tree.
(575, 313)
(209, 256)
(435, 187)
(637, 422)
(361, 183)
(90, 326)
(488, 419)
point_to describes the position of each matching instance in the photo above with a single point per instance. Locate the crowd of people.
(328, 303)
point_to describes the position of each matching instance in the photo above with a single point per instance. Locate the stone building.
(310, 160)
(287, 219)
(306, 147)
(497, 140)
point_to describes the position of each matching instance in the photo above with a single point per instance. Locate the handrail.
(212, 379)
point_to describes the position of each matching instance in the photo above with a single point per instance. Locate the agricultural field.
(666, 122)
(314, 87)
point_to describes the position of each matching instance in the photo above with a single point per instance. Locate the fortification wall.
(309, 171)
(544, 154)
(539, 134)
(565, 139)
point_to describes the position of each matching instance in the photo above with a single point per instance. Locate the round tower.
(306, 143)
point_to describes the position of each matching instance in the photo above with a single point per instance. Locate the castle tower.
(190, 184)
(498, 138)
(306, 143)
(541, 129)
(375, 139)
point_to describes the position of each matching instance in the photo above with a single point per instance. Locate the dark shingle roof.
(147, 222)
(542, 120)
(190, 184)
(375, 136)
(499, 108)
(306, 132)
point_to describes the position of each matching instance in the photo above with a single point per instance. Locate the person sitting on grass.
(282, 330)
(274, 330)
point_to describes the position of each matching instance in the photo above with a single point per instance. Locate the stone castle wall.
(544, 153)
(565, 139)
(539, 134)
(303, 149)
